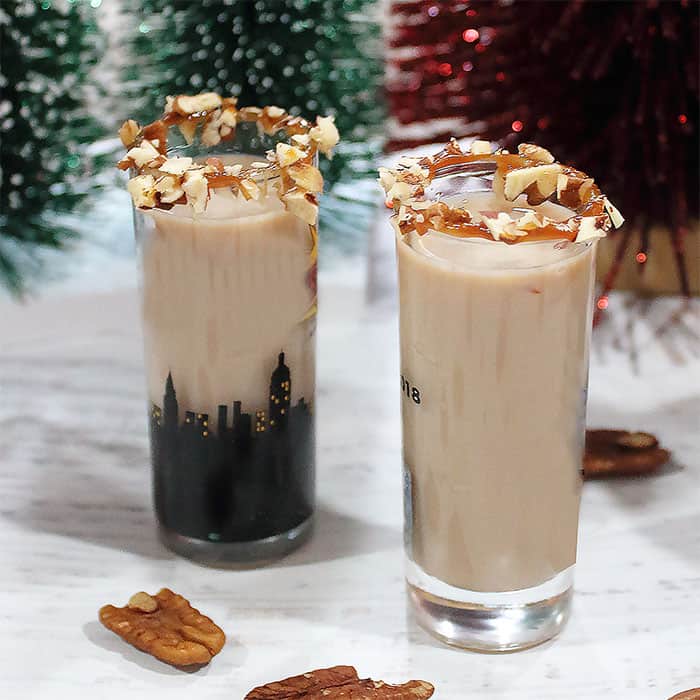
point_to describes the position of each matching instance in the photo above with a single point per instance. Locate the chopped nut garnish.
(615, 216)
(192, 104)
(325, 134)
(287, 155)
(162, 180)
(196, 190)
(128, 132)
(188, 129)
(143, 602)
(250, 189)
(169, 189)
(306, 177)
(176, 166)
(142, 190)
(533, 152)
(590, 228)
(274, 112)
(532, 173)
(303, 205)
(480, 147)
(545, 176)
(143, 154)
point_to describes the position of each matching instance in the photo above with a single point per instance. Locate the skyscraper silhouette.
(280, 392)
(248, 481)
(170, 411)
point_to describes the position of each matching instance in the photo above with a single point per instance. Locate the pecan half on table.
(166, 626)
(621, 453)
(339, 683)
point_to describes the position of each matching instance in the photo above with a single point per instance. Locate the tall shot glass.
(494, 368)
(229, 324)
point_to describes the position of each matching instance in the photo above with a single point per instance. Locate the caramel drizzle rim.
(157, 133)
(455, 221)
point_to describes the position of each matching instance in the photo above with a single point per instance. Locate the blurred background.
(609, 86)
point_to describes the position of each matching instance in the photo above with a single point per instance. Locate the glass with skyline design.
(229, 318)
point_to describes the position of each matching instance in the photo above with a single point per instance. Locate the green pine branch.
(47, 50)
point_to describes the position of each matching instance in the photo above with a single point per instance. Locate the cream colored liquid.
(223, 294)
(494, 339)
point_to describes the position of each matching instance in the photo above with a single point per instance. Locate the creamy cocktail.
(495, 317)
(226, 228)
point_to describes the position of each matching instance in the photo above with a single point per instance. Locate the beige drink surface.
(494, 340)
(223, 294)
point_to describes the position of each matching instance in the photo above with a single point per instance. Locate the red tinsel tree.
(609, 86)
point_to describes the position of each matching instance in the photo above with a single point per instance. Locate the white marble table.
(78, 530)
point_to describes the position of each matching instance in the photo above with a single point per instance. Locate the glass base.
(490, 622)
(237, 555)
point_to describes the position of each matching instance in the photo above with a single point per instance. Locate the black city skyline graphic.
(245, 481)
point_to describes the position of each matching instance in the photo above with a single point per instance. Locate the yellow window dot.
(282, 411)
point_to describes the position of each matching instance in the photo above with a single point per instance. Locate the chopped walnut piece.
(302, 204)
(177, 165)
(533, 152)
(169, 189)
(143, 602)
(572, 191)
(188, 130)
(306, 176)
(480, 148)
(615, 217)
(210, 135)
(530, 220)
(196, 190)
(400, 191)
(249, 189)
(274, 112)
(503, 226)
(386, 179)
(591, 228)
(173, 631)
(194, 104)
(325, 134)
(142, 190)
(128, 132)
(143, 154)
(286, 154)
(545, 176)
